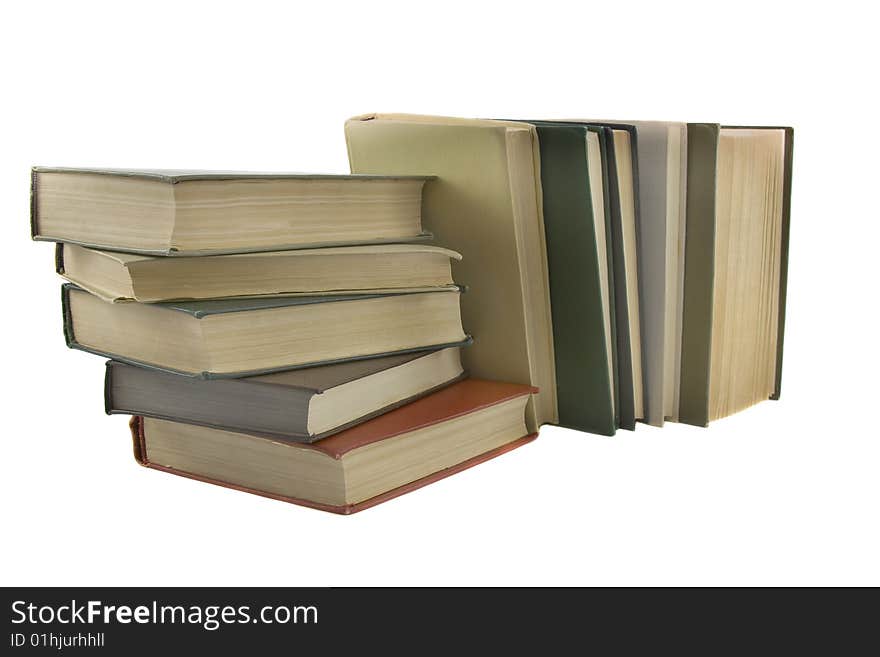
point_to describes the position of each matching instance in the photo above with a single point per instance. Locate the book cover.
(696, 340)
(486, 205)
(456, 401)
(123, 277)
(698, 309)
(199, 310)
(163, 217)
(584, 380)
(278, 405)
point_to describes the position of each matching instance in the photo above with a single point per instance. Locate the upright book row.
(297, 337)
(647, 259)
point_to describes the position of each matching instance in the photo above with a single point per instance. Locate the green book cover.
(622, 361)
(626, 364)
(582, 335)
(696, 330)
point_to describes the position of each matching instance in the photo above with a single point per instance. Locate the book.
(618, 194)
(486, 205)
(341, 270)
(180, 212)
(661, 176)
(301, 405)
(242, 337)
(577, 223)
(460, 426)
(622, 150)
(662, 188)
(736, 260)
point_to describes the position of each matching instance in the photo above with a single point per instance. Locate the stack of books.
(294, 335)
(288, 335)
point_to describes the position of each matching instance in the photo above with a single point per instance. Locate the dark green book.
(577, 225)
(621, 175)
(736, 263)
(623, 182)
(248, 336)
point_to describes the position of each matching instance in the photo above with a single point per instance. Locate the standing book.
(486, 205)
(578, 230)
(661, 157)
(618, 191)
(622, 148)
(736, 262)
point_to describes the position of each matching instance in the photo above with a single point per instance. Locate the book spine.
(33, 203)
(783, 271)
(578, 329)
(609, 254)
(699, 273)
(214, 404)
(108, 387)
(623, 363)
(67, 317)
(59, 258)
(138, 448)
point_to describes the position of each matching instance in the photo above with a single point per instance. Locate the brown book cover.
(455, 401)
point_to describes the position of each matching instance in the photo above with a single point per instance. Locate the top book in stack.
(171, 212)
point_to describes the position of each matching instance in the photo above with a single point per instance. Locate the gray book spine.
(231, 404)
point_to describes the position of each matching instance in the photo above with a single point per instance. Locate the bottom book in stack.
(413, 445)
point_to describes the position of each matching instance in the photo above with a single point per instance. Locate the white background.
(785, 493)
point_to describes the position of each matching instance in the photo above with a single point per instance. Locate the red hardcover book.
(395, 453)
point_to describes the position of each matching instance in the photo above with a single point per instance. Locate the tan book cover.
(179, 212)
(487, 205)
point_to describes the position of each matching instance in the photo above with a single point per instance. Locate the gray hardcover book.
(183, 212)
(300, 405)
(235, 338)
(661, 179)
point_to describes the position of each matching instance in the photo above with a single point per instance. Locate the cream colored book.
(182, 212)
(115, 276)
(218, 338)
(486, 204)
